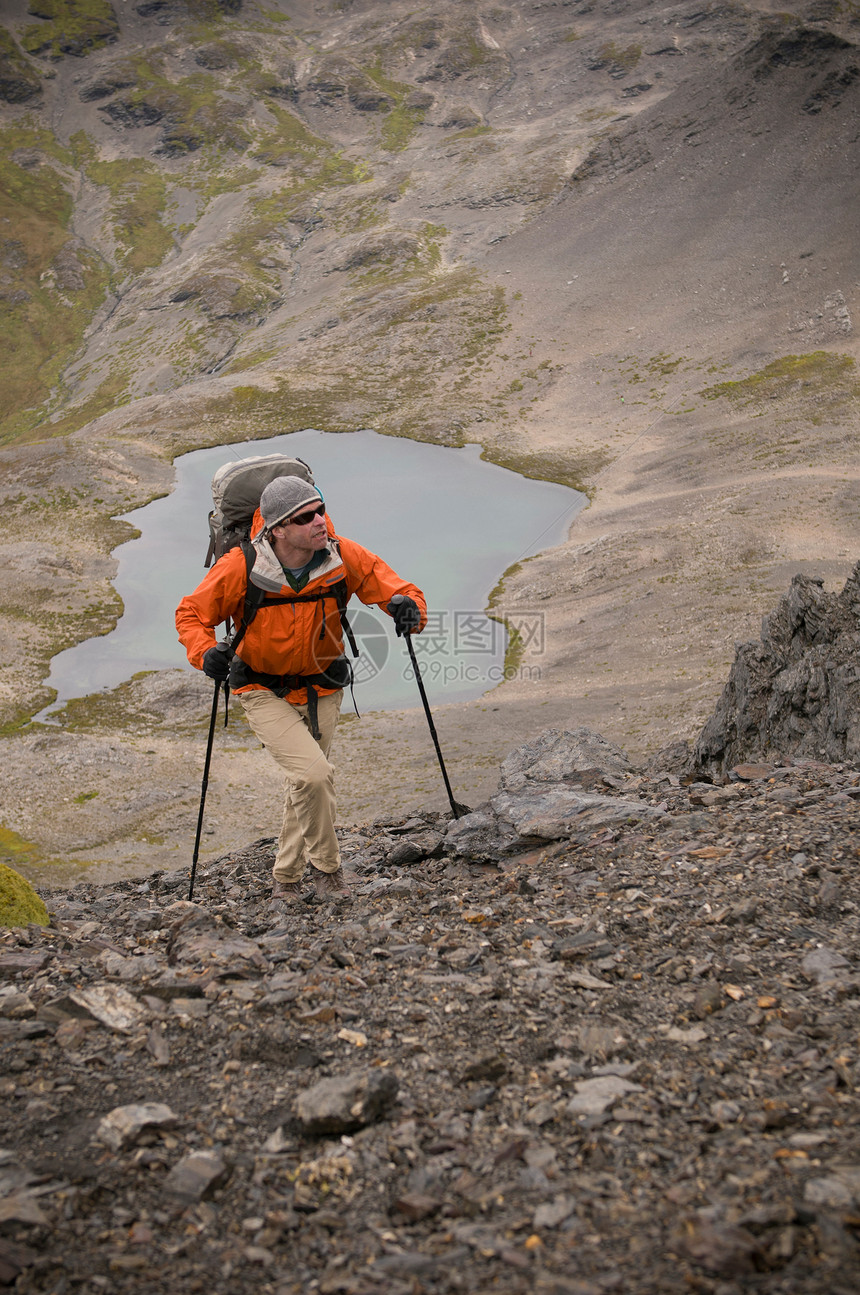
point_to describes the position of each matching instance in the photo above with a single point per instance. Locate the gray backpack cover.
(236, 490)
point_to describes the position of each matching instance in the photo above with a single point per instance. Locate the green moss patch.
(70, 27)
(309, 160)
(192, 111)
(545, 466)
(212, 11)
(399, 126)
(111, 393)
(614, 58)
(402, 119)
(416, 368)
(139, 196)
(821, 376)
(19, 903)
(50, 285)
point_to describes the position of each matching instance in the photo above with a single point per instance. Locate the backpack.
(236, 490)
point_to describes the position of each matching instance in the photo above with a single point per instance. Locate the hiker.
(288, 668)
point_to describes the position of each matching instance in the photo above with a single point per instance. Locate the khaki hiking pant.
(307, 830)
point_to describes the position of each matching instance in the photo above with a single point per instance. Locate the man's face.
(305, 530)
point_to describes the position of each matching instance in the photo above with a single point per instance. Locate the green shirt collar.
(298, 582)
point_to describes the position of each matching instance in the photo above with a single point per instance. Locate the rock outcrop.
(797, 690)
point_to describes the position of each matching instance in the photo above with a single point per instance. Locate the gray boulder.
(542, 798)
(514, 822)
(557, 756)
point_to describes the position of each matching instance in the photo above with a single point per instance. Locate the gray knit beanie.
(285, 496)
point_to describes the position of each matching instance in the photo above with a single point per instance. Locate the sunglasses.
(303, 519)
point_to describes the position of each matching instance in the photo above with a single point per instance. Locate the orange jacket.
(301, 637)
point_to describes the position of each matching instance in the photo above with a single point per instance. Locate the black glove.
(405, 614)
(216, 662)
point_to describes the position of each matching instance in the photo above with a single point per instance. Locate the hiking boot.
(331, 885)
(290, 891)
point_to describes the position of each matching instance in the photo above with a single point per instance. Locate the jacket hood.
(267, 572)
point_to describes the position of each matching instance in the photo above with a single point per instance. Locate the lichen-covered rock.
(796, 691)
(71, 27)
(461, 116)
(19, 903)
(19, 82)
(118, 77)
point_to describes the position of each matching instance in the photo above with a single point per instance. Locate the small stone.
(196, 1175)
(601, 1041)
(583, 945)
(839, 1190)
(694, 1035)
(14, 1259)
(22, 1207)
(725, 1112)
(823, 964)
(542, 1113)
(489, 1065)
(259, 1255)
(71, 1033)
(744, 911)
(124, 1124)
(594, 1096)
(17, 1007)
(752, 772)
(416, 1206)
(347, 1102)
(277, 1142)
(112, 1005)
(404, 852)
(584, 979)
(157, 1045)
(720, 1247)
(189, 1008)
(709, 999)
(23, 960)
(357, 1038)
(551, 1213)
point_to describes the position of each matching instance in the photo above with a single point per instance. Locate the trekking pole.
(455, 808)
(206, 764)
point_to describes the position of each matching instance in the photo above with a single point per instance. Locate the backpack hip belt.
(338, 675)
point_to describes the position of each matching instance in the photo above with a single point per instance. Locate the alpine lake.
(444, 519)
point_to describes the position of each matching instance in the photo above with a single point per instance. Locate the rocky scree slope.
(622, 1059)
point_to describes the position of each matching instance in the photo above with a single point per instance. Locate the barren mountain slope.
(616, 244)
(713, 238)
